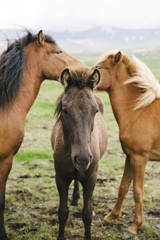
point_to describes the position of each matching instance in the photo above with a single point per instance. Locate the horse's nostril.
(90, 158)
(76, 160)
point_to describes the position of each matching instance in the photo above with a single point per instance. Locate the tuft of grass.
(29, 156)
(150, 230)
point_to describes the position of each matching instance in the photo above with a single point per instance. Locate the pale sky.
(60, 15)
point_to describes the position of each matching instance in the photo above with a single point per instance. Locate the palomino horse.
(133, 93)
(23, 67)
(79, 140)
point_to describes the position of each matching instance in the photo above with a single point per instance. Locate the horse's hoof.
(108, 219)
(74, 203)
(133, 229)
(111, 217)
(71, 207)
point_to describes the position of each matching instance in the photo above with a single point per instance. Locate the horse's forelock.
(79, 78)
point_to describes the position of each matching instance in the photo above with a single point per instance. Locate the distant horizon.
(96, 39)
(21, 28)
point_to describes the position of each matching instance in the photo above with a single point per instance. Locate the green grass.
(29, 156)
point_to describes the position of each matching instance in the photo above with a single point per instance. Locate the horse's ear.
(118, 57)
(41, 38)
(94, 78)
(65, 75)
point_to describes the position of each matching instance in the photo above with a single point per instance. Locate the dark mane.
(11, 65)
(58, 106)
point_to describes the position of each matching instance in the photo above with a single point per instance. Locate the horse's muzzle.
(82, 162)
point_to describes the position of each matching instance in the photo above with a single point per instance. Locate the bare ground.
(32, 203)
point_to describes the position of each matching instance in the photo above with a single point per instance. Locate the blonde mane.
(141, 76)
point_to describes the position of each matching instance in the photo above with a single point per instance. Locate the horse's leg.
(75, 194)
(88, 187)
(5, 167)
(138, 165)
(123, 189)
(63, 210)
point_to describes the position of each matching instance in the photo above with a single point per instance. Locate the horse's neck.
(123, 100)
(28, 91)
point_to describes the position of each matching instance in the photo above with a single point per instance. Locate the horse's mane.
(141, 76)
(58, 108)
(11, 65)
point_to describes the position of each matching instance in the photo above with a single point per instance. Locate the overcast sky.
(79, 15)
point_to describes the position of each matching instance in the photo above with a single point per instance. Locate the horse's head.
(78, 110)
(108, 64)
(50, 59)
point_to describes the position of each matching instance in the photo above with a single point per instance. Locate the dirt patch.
(31, 208)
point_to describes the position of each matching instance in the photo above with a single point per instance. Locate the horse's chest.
(63, 162)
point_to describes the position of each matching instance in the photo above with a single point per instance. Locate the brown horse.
(79, 139)
(134, 94)
(23, 67)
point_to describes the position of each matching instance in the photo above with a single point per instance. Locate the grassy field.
(32, 197)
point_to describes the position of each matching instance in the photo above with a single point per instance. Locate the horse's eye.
(64, 110)
(97, 109)
(98, 67)
(59, 52)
